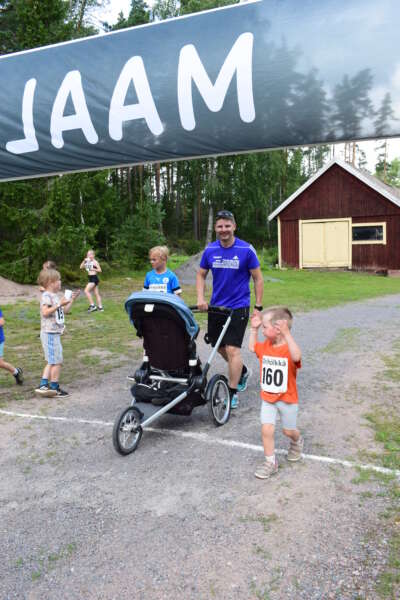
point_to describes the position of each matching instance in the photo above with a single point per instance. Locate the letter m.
(239, 61)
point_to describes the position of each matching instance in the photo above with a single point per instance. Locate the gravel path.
(185, 519)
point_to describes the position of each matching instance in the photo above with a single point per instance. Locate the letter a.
(72, 84)
(190, 67)
(29, 143)
(145, 109)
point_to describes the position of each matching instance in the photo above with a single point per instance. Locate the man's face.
(225, 229)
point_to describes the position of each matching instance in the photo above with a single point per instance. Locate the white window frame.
(362, 242)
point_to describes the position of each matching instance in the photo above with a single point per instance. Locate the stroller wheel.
(218, 399)
(127, 431)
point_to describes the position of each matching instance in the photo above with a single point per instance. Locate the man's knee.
(232, 351)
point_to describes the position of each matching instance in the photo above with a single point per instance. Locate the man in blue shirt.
(232, 262)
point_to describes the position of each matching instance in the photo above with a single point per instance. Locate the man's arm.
(258, 285)
(200, 287)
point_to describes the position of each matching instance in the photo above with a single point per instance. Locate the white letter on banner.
(72, 84)
(29, 143)
(145, 109)
(190, 67)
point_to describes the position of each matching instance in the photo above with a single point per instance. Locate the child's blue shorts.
(52, 348)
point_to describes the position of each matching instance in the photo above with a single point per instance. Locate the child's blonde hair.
(162, 251)
(91, 250)
(47, 276)
(279, 313)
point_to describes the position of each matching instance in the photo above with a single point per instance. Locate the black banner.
(248, 77)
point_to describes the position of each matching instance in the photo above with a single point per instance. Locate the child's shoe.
(19, 376)
(295, 450)
(92, 308)
(100, 308)
(242, 385)
(266, 470)
(44, 390)
(61, 393)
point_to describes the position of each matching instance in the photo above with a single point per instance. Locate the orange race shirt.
(277, 373)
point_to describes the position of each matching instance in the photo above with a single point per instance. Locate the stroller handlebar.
(213, 309)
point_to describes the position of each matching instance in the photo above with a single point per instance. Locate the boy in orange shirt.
(280, 357)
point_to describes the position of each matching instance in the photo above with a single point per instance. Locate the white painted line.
(206, 439)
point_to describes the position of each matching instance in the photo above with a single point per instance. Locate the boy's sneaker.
(234, 402)
(295, 450)
(19, 376)
(61, 393)
(242, 385)
(44, 390)
(92, 308)
(266, 470)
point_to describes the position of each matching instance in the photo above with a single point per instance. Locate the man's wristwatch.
(258, 307)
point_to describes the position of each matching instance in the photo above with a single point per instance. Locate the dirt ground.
(184, 518)
(10, 291)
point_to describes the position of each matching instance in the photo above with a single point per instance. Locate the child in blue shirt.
(16, 371)
(161, 279)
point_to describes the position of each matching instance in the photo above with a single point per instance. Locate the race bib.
(158, 287)
(274, 375)
(60, 320)
(88, 265)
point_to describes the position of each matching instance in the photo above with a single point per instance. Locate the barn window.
(369, 233)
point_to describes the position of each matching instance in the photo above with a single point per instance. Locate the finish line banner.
(261, 75)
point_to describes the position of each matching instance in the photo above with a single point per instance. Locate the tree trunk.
(210, 223)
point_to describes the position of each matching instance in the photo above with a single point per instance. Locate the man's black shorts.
(236, 330)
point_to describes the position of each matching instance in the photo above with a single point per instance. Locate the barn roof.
(391, 193)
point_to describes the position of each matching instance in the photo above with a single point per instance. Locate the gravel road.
(184, 518)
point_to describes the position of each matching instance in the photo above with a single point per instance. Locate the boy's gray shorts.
(287, 413)
(52, 348)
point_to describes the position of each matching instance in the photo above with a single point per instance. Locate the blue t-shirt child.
(2, 338)
(162, 282)
(230, 269)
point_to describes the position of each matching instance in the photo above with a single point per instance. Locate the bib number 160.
(274, 375)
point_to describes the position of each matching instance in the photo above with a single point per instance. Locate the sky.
(110, 14)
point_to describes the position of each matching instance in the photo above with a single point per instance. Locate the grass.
(308, 290)
(345, 340)
(97, 343)
(385, 421)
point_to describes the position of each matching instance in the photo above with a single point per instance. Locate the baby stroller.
(171, 378)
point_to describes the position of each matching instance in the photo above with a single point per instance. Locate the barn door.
(325, 243)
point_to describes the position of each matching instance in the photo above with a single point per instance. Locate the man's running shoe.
(234, 402)
(242, 385)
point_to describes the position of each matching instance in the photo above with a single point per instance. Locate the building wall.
(338, 194)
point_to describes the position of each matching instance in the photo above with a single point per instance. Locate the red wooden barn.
(341, 217)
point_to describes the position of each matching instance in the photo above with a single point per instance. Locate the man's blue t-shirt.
(161, 282)
(2, 338)
(230, 269)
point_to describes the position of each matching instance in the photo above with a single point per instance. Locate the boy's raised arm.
(294, 349)
(255, 323)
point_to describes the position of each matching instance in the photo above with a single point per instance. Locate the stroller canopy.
(171, 300)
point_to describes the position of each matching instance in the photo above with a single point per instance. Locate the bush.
(130, 247)
(269, 257)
